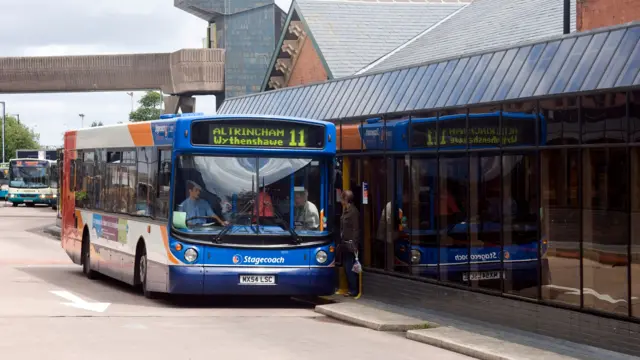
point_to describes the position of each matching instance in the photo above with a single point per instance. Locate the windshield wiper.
(294, 234)
(218, 238)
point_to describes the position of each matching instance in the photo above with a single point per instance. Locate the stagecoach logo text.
(238, 259)
(482, 257)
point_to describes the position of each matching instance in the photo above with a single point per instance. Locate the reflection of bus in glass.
(438, 231)
(4, 180)
(194, 204)
(33, 181)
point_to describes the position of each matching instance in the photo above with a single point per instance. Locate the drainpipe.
(567, 16)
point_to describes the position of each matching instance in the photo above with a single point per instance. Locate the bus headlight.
(415, 256)
(321, 257)
(191, 255)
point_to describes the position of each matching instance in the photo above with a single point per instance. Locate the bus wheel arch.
(85, 254)
(142, 269)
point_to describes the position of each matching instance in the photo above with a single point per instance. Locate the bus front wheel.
(142, 267)
(86, 257)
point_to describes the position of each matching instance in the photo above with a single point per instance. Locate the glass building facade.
(536, 199)
(514, 172)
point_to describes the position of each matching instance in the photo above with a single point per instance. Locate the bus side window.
(164, 182)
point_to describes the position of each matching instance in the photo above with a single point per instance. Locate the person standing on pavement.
(350, 239)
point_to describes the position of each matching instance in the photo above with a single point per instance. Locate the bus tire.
(14, 204)
(86, 256)
(142, 270)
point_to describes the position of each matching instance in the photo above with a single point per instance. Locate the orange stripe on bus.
(350, 137)
(141, 134)
(165, 241)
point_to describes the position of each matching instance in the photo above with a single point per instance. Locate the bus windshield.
(33, 174)
(278, 194)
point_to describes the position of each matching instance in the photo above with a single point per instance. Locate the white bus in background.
(33, 181)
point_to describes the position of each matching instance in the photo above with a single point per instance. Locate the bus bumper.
(34, 200)
(310, 281)
(3, 194)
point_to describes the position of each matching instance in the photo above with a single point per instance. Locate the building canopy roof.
(580, 62)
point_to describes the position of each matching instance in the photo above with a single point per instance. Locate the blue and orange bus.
(196, 204)
(4, 180)
(443, 238)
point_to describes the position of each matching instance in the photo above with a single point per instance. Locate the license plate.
(481, 275)
(257, 280)
(28, 200)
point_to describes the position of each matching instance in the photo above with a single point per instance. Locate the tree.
(18, 137)
(149, 109)
(94, 124)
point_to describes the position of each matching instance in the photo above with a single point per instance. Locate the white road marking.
(77, 302)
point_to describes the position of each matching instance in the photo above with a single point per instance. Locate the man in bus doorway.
(350, 240)
(194, 206)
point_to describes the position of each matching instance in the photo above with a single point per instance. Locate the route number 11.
(300, 143)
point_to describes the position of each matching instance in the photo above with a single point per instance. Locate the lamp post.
(4, 110)
(81, 120)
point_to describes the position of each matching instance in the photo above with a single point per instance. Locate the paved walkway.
(484, 340)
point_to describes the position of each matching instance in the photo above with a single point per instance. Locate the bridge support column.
(173, 103)
(219, 100)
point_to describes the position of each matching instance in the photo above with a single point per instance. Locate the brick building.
(593, 14)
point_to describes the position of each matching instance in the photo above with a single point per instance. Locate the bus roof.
(158, 132)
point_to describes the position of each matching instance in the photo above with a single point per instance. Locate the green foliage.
(18, 137)
(94, 124)
(149, 109)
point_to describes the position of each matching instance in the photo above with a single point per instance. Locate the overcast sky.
(80, 27)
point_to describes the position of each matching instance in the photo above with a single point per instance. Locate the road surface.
(48, 309)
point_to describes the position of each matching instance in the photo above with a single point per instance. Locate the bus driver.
(194, 206)
(306, 214)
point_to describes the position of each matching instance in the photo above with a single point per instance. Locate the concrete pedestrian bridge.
(180, 74)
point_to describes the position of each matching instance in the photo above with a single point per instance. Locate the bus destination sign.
(258, 133)
(28, 163)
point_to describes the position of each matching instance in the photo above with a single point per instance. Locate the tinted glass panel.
(562, 78)
(395, 91)
(442, 82)
(274, 102)
(560, 224)
(634, 116)
(317, 100)
(605, 229)
(539, 70)
(620, 58)
(453, 189)
(380, 212)
(299, 107)
(603, 60)
(484, 191)
(402, 90)
(453, 81)
(373, 100)
(410, 90)
(635, 231)
(586, 62)
(355, 90)
(478, 73)
(519, 124)
(295, 98)
(422, 222)
(514, 70)
(493, 75)
(326, 102)
(631, 69)
(521, 237)
(524, 73)
(359, 98)
(394, 78)
(463, 81)
(420, 87)
(346, 90)
(554, 67)
(559, 122)
(433, 82)
(330, 105)
(604, 118)
(375, 82)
